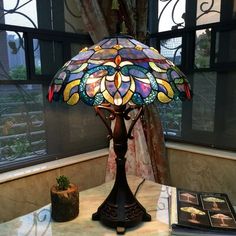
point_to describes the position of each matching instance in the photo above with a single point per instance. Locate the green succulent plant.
(62, 182)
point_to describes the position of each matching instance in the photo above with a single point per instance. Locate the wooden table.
(151, 195)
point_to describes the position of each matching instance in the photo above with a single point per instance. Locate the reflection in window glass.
(171, 15)
(171, 49)
(171, 117)
(202, 48)
(20, 13)
(12, 56)
(48, 56)
(204, 90)
(208, 11)
(225, 46)
(22, 128)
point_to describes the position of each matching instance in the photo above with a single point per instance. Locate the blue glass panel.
(111, 88)
(83, 55)
(152, 54)
(142, 64)
(110, 43)
(89, 101)
(138, 43)
(161, 88)
(163, 66)
(152, 81)
(75, 76)
(137, 73)
(124, 88)
(91, 65)
(73, 67)
(74, 90)
(150, 98)
(131, 53)
(125, 43)
(136, 99)
(160, 75)
(98, 99)
(99, 43)
(174, 74)
(142, 88)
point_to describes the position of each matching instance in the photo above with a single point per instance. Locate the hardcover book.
(201, 213)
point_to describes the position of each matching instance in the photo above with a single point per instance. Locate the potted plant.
(64, 199)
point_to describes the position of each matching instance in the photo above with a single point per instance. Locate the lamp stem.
(121, 209)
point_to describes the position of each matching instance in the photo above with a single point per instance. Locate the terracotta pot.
(65, 203)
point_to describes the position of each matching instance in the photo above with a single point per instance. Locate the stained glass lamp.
(117, 75)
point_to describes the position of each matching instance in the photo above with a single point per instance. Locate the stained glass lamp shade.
(124, 74)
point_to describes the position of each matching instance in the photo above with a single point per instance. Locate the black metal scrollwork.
(206, 8)
(176, 24)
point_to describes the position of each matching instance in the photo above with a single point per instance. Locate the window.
(32, 130)
(199, 36)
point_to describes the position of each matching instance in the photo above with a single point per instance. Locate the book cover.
(196, 213)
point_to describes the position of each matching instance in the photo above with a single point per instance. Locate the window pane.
(228, 112)
(171, 117)
(225, 46)
(12, 56)
(208, 11)
(202, 48)
(20, 13)
(22, 126)
(172, 49)
(171, 15)
(33, 130)
(85, 129)
(48, 56)
(203, 110)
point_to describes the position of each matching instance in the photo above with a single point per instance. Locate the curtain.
(146, 155)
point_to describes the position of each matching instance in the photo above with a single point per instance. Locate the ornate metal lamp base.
(121, 209)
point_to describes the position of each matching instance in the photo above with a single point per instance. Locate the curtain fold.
(146, 155)
(156, 144)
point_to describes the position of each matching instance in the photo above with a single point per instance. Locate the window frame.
(66, 38)
(226, 23)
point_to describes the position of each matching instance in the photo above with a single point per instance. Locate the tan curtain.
(146, 157)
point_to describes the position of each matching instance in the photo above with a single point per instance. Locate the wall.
(193, 168)
(203, 169)
(24, 195)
